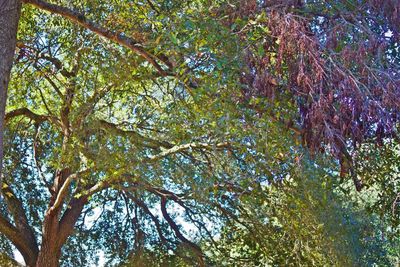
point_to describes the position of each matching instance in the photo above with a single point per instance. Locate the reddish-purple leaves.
(346, 88)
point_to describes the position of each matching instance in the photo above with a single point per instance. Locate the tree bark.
(9, 17)
(56, 228)
(25, 241)
(50, 250)
(56, 232)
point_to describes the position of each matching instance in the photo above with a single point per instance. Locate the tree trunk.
(50, 250)
(9, 17)
(56, 230)
(48, 258)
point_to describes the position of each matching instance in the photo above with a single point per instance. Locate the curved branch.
(16, 209)
(64, 190)
(22, 234)
(29, 114)
(146, 209)
(16, 237)
(196, 249)
(119, 38)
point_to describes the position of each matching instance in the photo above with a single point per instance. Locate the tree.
(9, 19)
(83, 139)
(176, 113)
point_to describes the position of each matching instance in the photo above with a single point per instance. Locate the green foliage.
(307, 222)
(238, 180)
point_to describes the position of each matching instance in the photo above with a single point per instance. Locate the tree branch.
(144, 207)
(139, 139)
(96, 188)
(180, 148)
(16, 209)
(196, 249)
(17, 238)
(21, 235)
(63, 191)
(86, 108)
(29, 114)
(35, 55)
(119, 38)
(69, 218)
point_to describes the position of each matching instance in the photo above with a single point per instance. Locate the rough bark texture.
(50, 251)
(9, 17)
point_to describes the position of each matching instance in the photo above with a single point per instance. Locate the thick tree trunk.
(9, 17)
(50, 250)
(48, 258)
(56, 230)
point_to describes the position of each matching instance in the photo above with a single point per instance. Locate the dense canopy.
(200, 133)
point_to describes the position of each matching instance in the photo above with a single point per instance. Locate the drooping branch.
(196, 249)
(163, 193)
(146, 209)
(119, 38)
(339, 106)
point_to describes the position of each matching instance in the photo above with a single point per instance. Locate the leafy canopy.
(205, 132)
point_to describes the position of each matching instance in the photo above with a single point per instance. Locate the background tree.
(307, 221)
